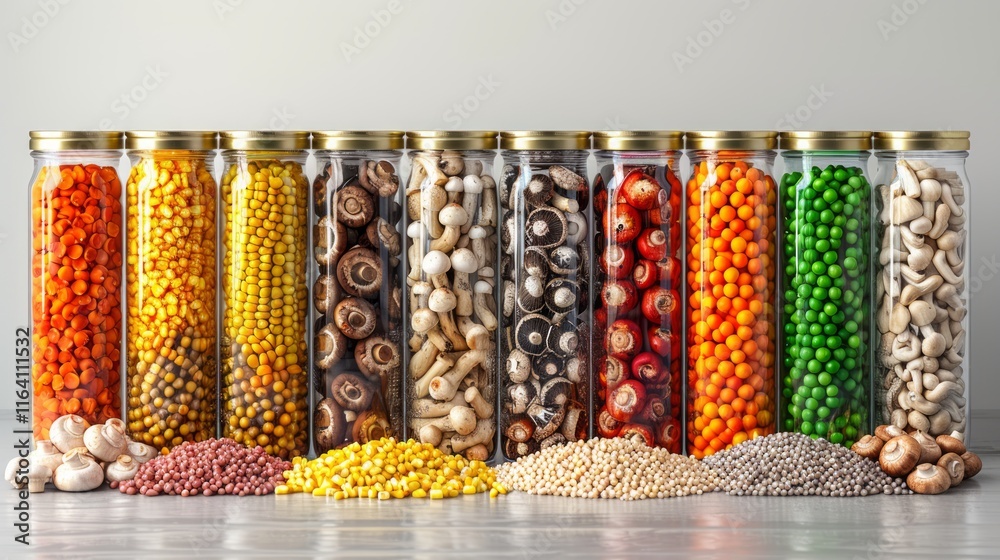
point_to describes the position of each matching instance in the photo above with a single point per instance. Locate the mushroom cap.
(442, 300)
(950, 444)
(508, 175)
(563, 339)
(566, 179)
(326, 293)
(507, 226)
(547, 419)
(473, 184)
(415, 229)
(886, 432)
(928, 479)
(899, 455)
(531, 296)
(360, 272)
(464, 260)
(478, 232)
(561, 295)
(423, 320)
(555, 439)
(355, 317)
(531, 333)
(331, 345)
(539, 190)
(483, 287)
(547, 366)
(520, 396)
(520, 428)
(518, 366)
(435, 262)
(377, 357)
(868, 447)
(454, 184)
(535, 262)
(453, 215)
(545, 227)
(930, 452)
(369, 426)
(509, 298)
(973, 464)
(576, 228)
(557, 391)
(564, 260)
(953, 464)
(353, 206)
(513, 449)
(351, 391)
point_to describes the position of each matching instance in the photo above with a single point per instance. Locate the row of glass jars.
(420, 326)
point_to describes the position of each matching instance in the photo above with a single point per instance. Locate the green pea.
(836, 437)
(824, 380)
(822, 428)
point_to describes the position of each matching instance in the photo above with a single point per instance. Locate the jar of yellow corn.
(171, 288)
(262, 345)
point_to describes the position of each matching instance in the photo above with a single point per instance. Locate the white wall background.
(561, 64)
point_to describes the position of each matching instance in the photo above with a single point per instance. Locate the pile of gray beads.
(792, 464)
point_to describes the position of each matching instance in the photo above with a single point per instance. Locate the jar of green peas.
(826, 291)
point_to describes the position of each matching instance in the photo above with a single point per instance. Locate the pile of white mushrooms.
(921, 300)
(79, 457)
(451, 202)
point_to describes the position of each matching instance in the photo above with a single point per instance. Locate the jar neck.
(763, 156)
(806, 159)
(949, 155)
(106, 157)
(570, 157)
(469, 154)
(298, 156)
(358, 154)
(203, 155)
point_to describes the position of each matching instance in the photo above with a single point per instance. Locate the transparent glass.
(545, 325)
(452, 217)
(76, 260)
(357, 298)
(923, 284)
(825, 202)
(263, 342)
(731, 224)
(637, 301)
(171, 274)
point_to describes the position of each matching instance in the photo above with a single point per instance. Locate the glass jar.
(637, 212)
(731, 202)
(76, 260)
(263, 348)
(826, 293)
(545, 267)
(171, 274)
(922, 286)
(358, 292)
(451, 216)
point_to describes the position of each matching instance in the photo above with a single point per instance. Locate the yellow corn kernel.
(419, 493)
(437, 494)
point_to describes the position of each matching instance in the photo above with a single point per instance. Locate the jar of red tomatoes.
(76, 275)
(731, 204)
(637, 210)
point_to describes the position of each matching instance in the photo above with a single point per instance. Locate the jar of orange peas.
(76, 263)
(732, 337)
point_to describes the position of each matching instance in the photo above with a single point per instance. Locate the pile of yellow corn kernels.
(387, 469)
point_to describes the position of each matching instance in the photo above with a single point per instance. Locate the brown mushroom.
(379, 178)
(326, 293)
(515, 449)
(868, 447)
(929, 450)
(377, 358)
(973, 464)
(353, 206)
(360, 272)
(899, 455)
(369, 426)
(953, 464)
(351, 391)
(520, 429)
(382, 235)
(928, 479)
(330, 424)
(950, 444)
(886, 432)
(547, 419)
(331, 240)
(355, 317)
(331, 345)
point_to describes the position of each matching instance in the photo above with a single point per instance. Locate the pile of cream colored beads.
(607, 468)
(385, 469)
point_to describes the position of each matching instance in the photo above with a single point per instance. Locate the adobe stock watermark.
(698, 43)
(818, 97)
(364, 35)
(468, 105)
(127, 102)
(280, 118)
(900, 16)
(564, 10)
(32, 25)
(225, 7)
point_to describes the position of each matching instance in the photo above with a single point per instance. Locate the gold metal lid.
(171, 140)
(451, 139)
(545, 140)
(906, 140)
(264, 140)
(58, 140)
(639, 140)
(358, 140)
(825, 140)
(732, 140)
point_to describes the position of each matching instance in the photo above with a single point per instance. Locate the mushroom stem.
(475, 399)
(444, 387)
(482, 434)
(440, 367)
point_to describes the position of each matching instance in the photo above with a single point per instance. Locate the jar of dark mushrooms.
(357, 294)
(262, 344)
(545, 274)
(923, 282)
(637, 275)
(451, 259)
(825, 300)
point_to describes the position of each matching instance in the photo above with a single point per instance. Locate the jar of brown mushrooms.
(451, 287)
(923, 282)
(357, 293)
(545, 278)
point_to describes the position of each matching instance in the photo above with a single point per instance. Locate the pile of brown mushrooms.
(921, 300)
(930, 465)
(358, 299)
(452, 206)
(546, 270)
(79, 457)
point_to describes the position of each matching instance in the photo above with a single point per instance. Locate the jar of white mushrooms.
(546, 318)
(357, 291)
(451, 262)
(921, 238)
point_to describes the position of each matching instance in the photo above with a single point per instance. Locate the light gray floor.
(106, 524)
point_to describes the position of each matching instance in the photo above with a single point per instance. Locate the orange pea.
(743, 371)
